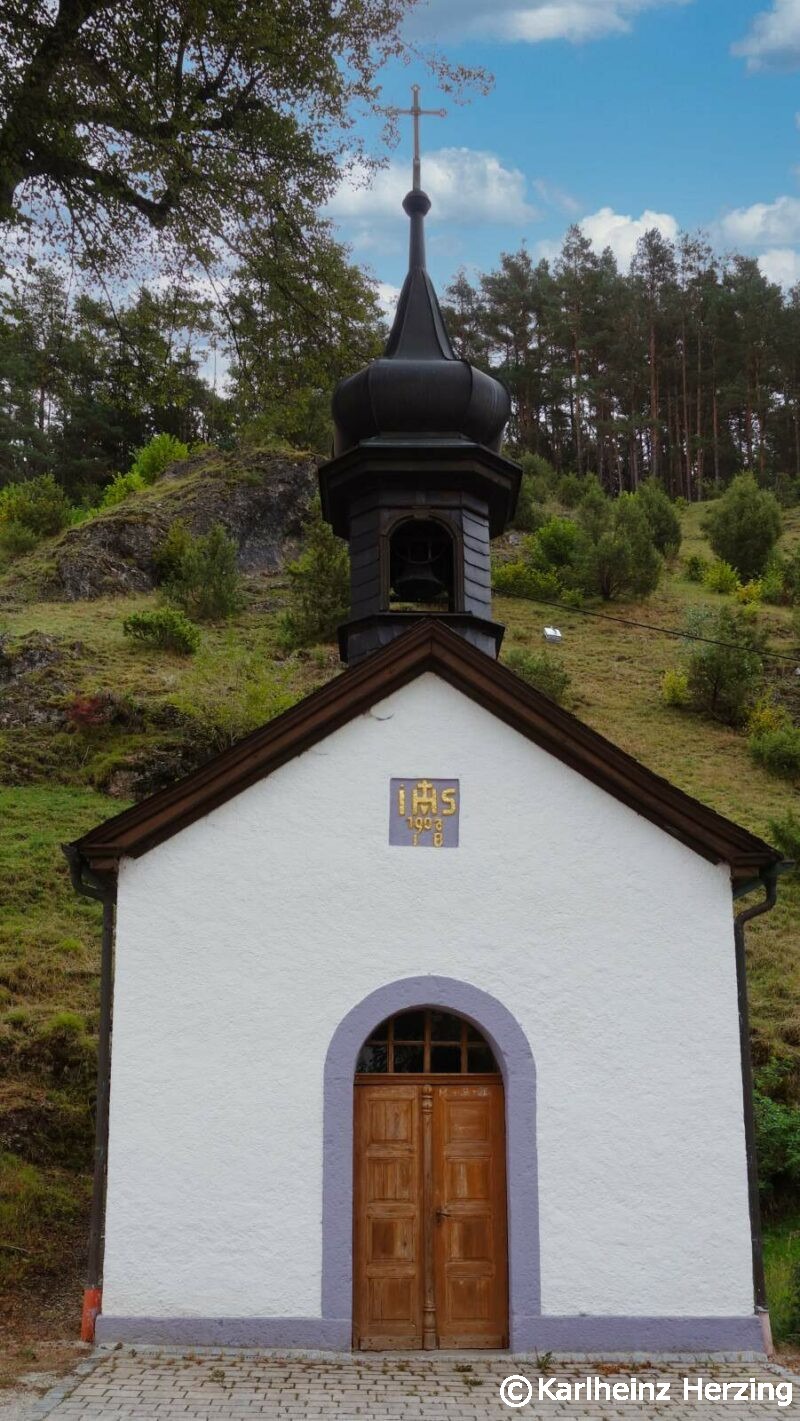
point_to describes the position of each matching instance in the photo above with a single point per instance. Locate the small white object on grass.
(552, 634)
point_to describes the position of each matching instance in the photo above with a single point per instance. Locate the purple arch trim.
(515, 1059)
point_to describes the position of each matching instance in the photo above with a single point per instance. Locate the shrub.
(538, 482)
(16, 539)
(777, 1143)
(675, 689)
(169, 553)
(539, 468)
(595, 510)
(778, 750)
(721, 577)
(541, 671)
(556, 545)
(665, 527)
(319, 586)
(623, 560)
(766, 715)
(570, 490)
(153, 458)
(39, 504)
(120, 488)
(725, 673)
(529, 515)
(774, 582)
(694, 568)
(519, 579)
(743, 526)
(207, 584)
(750, 592)
(572, 597)
(786, 490)
(166, 628)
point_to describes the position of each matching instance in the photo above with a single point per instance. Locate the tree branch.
(64, 170)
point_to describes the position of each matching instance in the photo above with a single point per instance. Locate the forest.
(685, 368)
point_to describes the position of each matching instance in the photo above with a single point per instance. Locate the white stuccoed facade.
(244, 940)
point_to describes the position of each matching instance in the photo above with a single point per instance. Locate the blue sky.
(619, 114)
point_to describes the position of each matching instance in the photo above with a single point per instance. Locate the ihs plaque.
(423, 814)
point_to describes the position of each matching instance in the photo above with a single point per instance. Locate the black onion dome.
(419, 388)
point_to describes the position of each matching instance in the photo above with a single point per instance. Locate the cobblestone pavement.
(150, 1385)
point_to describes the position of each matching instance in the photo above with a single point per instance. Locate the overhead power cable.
(664, 631)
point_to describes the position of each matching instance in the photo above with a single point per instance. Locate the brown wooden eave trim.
(429, 647)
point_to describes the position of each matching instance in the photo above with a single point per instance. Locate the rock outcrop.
(261, 498)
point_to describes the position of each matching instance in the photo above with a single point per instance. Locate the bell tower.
(417, 484)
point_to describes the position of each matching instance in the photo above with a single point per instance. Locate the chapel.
(429, 1003)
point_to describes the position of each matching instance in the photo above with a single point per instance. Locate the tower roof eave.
(384, 460)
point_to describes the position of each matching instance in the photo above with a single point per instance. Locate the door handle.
(442, 1214)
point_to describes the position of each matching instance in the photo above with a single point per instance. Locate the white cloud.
(387, 297)
(531, 21)
(607, 228)
(556, 197)
(781, 265)
(464, 185)
(774, 38)
(774, 223)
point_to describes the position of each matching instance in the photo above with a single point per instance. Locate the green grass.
(782, 1269)
(49, 938)
(49, 985)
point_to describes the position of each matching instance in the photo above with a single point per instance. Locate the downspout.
(103, 891)
(768, 880)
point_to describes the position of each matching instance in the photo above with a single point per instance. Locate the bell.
(421, 563)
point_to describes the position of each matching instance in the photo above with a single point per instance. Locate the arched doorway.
(430, 1250)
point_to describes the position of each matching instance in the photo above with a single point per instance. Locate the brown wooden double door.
(431, 1266)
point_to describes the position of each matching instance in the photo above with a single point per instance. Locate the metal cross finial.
(416, 113)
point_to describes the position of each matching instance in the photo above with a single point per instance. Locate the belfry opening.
(422, 566)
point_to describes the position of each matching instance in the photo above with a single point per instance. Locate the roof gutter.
(768, 881)
(102, 890)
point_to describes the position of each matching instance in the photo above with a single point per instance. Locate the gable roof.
(430, 646)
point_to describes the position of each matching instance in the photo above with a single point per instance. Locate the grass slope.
(171, 710)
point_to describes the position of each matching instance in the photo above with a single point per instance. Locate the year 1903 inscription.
(423, 814)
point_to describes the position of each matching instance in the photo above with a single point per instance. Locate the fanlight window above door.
(426, 1042)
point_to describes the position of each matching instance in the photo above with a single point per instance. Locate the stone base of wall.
(566, 1336)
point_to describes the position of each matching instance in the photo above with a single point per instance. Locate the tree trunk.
(715, 427)
(686, 427)
(654, 450)
(577, 406)
(699, 466)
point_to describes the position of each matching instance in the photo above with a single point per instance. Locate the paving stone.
(160, 1385)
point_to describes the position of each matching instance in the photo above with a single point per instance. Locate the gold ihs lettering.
(449, 805)
(401, 801)
(424, 798)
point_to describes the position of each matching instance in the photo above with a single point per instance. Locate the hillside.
(89, 721)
